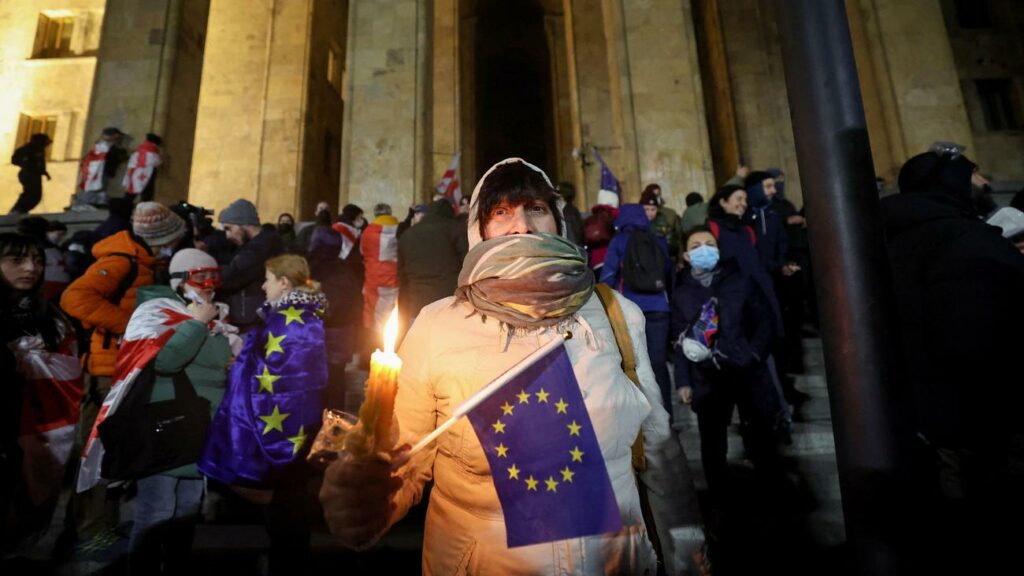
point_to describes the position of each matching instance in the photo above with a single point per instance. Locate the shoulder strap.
(753, 236)
(122, 288)
(625, 343)
(713, 226)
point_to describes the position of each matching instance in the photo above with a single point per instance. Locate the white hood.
(473, 223)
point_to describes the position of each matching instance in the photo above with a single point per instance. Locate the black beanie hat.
(930, 172)
(755, 177)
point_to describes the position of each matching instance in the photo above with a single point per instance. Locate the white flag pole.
(488, 390)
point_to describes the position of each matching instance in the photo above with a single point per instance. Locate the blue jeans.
(657, 350)
(166, 511)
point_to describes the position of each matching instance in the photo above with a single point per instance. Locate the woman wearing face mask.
(523, 283)
(258, 440)
(723, 328)
(168, 504)
(43, 384)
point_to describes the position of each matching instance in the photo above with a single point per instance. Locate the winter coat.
(89, 297)
(744, 338)
(667, 225)
(632, 217)
(694, 216)
(772, 242)
(203, 356)
(430, 257)
(738, 241)
(448, 355)
(341, 279)
(242, 279)
(958, 286)
(598, 223)
(31, 159)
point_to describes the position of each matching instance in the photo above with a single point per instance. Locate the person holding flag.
(540, 477)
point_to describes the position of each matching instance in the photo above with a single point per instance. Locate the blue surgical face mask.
(704, 257)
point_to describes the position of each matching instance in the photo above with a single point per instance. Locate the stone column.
(445, 76)
(380, 152)
(662, 126)
(249, 129)
(133, 70)
(917, 62)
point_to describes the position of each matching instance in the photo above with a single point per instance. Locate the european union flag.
(610, 192)
(544, 456)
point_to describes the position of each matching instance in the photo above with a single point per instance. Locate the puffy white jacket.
(447, 357)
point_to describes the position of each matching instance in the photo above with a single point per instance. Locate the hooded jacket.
(958, 286)
(632, 217)
(429, 259)
(89, 298)
(447, 356)
(202, 355)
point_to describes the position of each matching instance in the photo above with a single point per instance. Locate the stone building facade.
(290, 102)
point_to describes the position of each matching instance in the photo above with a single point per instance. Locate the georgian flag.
(151, 326)
(141, 166)
(449, 186)
(90, 177)
(51, 408)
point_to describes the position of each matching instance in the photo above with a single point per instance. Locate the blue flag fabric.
(545, 460)
(272, 408)
(610, 192)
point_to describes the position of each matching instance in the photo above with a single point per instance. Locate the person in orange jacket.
(103, 300)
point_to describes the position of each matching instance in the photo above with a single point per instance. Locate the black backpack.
(643, 267)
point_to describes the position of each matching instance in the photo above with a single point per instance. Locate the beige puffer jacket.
(447, 356)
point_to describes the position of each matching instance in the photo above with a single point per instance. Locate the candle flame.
(391, 332)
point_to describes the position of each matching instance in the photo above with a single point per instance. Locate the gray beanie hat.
(241, 212)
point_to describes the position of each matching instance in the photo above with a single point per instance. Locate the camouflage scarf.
(526, 280)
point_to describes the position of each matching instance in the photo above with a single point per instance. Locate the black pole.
(851, 274)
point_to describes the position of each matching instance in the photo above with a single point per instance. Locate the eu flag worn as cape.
(272, 409)
(610, 192)
(544, 457)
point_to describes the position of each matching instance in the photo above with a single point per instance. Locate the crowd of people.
(261, 322)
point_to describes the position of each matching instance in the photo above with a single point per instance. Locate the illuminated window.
(29, 125)
(53, 36)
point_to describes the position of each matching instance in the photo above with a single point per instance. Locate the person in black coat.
(31, 159)
(430, 258)
(958, 286)
(723, 327)
(242, 279)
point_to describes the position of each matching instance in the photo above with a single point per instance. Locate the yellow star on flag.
(499, 427)
(577, 454)
(567, 474)
(513, 473)
(574, 428)
(274, 343)
(531, 483)
(552, 484)
(267, 380)
(542, 396)
(502, 451)
(274, 421)
(524, 398)
(561, 406)
(298, 440)
(292, 314)
(507, 408)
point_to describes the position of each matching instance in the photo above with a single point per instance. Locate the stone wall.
(57, 87)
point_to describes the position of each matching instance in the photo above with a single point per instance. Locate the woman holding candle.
(458, 345)
(272, 410)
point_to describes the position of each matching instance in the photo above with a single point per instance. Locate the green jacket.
(666, 225)
(696, 215)
(203, 356)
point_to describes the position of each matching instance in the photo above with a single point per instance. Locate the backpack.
(643, 266)
(597, 230)
(715, 232)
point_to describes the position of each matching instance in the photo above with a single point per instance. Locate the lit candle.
(373, 433)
